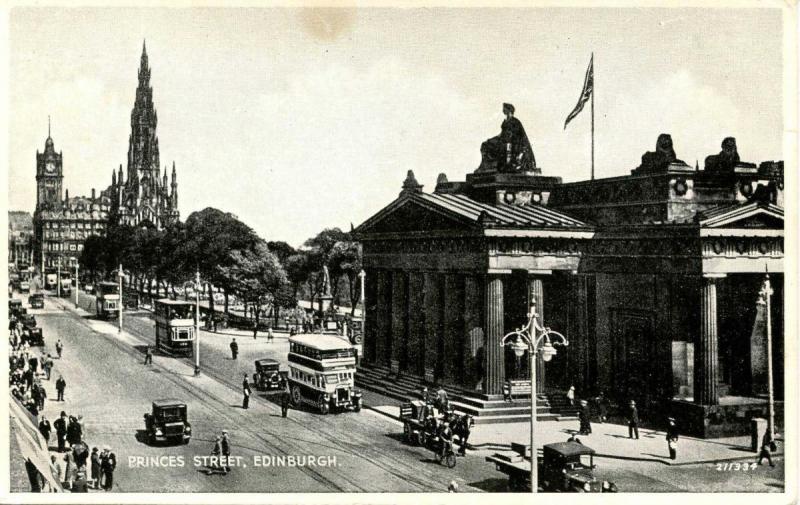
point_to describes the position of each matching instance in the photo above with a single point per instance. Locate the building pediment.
(414, 214)
(754, 218)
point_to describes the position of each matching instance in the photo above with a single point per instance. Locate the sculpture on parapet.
(511, 150)
(657, 161)
(726, 160)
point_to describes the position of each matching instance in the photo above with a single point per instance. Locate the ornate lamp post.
(196, 287)
(765, 299)
(535, 339)
(121, 275)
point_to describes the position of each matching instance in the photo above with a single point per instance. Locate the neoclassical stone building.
(653, 278)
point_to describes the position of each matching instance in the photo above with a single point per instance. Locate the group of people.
(221, 452)
(83, 471)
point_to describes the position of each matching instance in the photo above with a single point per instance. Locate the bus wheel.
(324, 408)
(297, 396)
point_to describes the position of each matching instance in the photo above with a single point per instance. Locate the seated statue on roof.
(511, 150)
(726, 160)
(657, 161)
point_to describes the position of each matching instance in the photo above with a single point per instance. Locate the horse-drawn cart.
(422, 426)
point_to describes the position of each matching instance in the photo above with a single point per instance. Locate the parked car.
(168, 422)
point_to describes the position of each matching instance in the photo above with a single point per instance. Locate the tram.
(322, 372)
(175, 327)
(107, 300)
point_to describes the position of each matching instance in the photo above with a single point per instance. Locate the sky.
(297, 120)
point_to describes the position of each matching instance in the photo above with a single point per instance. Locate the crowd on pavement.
(72, 464)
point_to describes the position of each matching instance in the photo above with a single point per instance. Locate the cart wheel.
(450, 459)
(297, 396)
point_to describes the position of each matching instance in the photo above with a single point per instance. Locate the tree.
(345, 260)
(282, 250)
(93, 257)
(319, 253)
(297, 270)
(211, 237)
(256, 276)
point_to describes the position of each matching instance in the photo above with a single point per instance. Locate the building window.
(80, 247)
(72, 247)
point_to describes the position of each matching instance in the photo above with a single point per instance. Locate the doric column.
(536, 295)
(370, 316)
(578, 350)
(432, 313)
(706, 366)
(495, 359)
(416, 323)
(397, 333)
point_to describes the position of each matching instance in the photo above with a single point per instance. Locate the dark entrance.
(632, 332)
(515, 297)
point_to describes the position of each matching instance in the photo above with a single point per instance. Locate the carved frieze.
(743, 246)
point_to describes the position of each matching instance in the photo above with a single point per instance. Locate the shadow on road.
(494, 485)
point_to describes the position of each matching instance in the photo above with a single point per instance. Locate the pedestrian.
(246, 392)
(633, 421)
(74, 431)
(442, 403)
(55, 468)
(585, 418)
(59, 348)
(270, 336)
(69, 469)
(571, 396)
(767, 446)
(60, 425)
(234, 349)
(36, 396)
(285, 396)
(602, 407)
(148, 356)
(107, 465)
(216, 452)
(95, 468)
(672, 438)
(42, 396)
(45, 429)
(80, 485)
(226, 450)
(48, 366)
(507, 391)
(61, 385)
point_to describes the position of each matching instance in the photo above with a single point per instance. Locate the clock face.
(50, 167)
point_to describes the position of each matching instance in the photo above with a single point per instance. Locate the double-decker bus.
(106, 300)
(175, 327)
(322, 372)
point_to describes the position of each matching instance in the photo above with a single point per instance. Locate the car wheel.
(297, 396)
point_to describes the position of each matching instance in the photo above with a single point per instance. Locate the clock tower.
(49, 175)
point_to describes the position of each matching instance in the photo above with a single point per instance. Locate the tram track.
(362, 447)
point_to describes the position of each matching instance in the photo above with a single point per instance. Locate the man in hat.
(226, 450)
(108, 462)
(148, 356)
(61, 425)
(234, 349)
(61, 385)
(672, 438)
(285, 397)
(45, 428)
(633, 421)
(246, 392)
(511, 150)
(216, 452)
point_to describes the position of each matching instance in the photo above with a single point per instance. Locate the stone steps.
(486, 409)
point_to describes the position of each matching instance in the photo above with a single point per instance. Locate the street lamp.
(120, 275)
(535, 339)
(765, 299)
(196, 286)
(77, 283)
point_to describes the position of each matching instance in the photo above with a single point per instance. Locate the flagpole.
(594, 88)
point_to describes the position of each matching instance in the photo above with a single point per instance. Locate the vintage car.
(36, 301)
(268, 376)
(27, 321)
(33, 336)
(167, 422)
(565, 467)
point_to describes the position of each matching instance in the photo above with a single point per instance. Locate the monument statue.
(726, 160)
(510, 151)
(658, 160)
